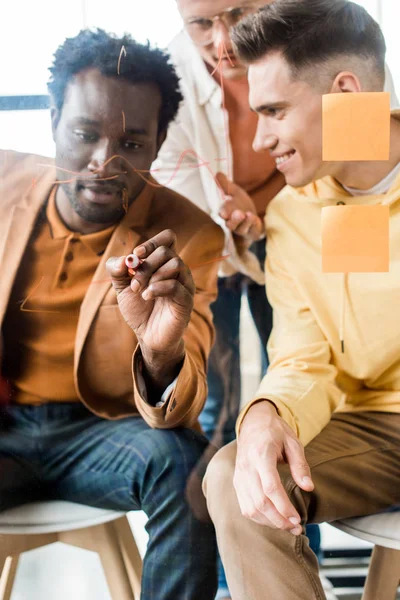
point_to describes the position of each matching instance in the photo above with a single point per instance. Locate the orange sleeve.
(189, 395)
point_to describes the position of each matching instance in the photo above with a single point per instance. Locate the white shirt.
(200, 126)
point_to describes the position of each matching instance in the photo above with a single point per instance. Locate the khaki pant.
(355, 466)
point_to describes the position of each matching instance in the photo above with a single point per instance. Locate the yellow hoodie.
(309, 376)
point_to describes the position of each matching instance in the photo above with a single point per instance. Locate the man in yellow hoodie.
(321, 439)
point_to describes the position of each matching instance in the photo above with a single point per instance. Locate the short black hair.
(308, 32)
(100, 50)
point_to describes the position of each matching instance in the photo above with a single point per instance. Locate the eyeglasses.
(200, 29)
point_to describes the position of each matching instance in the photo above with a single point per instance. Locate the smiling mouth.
(281, 160)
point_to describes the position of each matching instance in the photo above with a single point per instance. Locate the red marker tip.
(132, 261)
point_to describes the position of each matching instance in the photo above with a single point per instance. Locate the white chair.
(106, 532)
(383, 530)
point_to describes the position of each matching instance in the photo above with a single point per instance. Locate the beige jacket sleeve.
(301, 378)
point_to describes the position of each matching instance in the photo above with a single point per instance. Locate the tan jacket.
(105, 346)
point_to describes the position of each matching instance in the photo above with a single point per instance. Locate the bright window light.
(30, 42)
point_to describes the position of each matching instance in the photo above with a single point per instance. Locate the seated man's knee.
(173, 451)
(218, 480)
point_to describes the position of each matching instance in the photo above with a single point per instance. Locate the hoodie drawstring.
(343, 311)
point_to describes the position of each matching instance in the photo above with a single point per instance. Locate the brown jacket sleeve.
(190, 392)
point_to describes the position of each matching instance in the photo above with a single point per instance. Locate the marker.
(132, 262)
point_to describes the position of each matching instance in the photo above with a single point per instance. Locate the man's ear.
(55, 115)
(346, 82)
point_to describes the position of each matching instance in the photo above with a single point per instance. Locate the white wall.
(31, 41)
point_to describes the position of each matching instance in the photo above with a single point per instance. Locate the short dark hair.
(308, 32)
(100, 50)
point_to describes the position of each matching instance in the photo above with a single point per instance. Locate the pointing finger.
(165, 238)
(228, 187)
(299, 468)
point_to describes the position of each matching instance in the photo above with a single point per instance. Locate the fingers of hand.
(259, 452)
(240, 223)
(244, 225)
(248, 507)
(238, 194)
(255, 503)
(170, 288)
(159, 257)
(228, 187)
(301, 473)
(227, 208)
(285, 511)
(165, 238)
(257, 226)
(116, 266)
(162, 265)
(174, 269)
(118, 272)
(273, 490)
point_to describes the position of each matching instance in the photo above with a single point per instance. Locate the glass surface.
(30, 32)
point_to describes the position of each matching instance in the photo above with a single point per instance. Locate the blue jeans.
(64, 452)
(221, 410)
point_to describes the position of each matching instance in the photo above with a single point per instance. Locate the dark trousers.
(62, 451)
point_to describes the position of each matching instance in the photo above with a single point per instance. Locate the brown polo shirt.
(42, 316)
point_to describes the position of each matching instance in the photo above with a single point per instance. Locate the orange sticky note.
(356, 126)
(355, 239)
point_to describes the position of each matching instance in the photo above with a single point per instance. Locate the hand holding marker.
(132, 262)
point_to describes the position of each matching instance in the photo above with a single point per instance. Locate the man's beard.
(93, 214)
